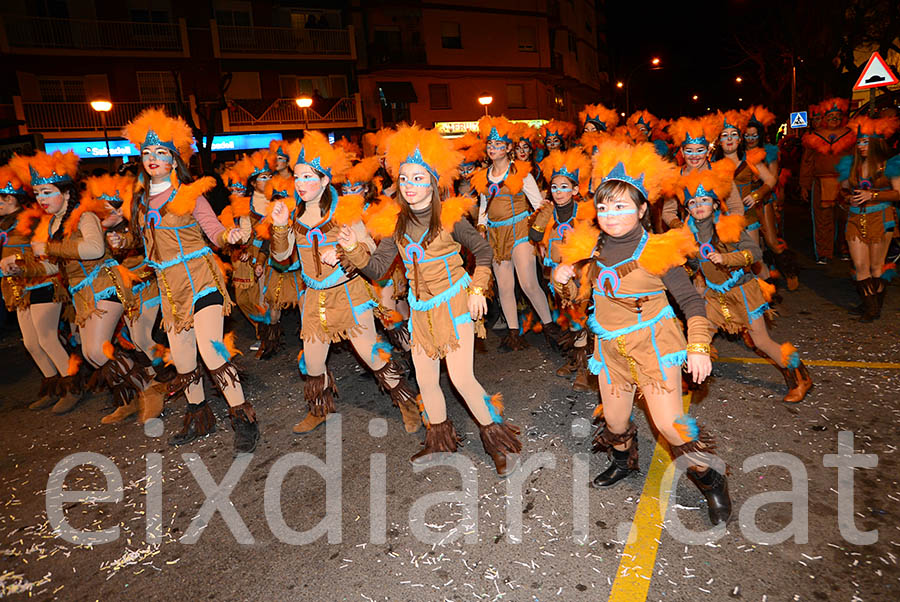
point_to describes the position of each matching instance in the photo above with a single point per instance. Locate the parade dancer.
(640, 344)
(36, 300)
(554, 135)
(172, 217)
(870, 180)
(569, 173)
(508, 193)
(444, 299)
(822, 149)
(597, 118)
(736, 301)
(338, 303)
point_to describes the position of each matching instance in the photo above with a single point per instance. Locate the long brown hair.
(875, 160)
(72, 204)
(406, 214)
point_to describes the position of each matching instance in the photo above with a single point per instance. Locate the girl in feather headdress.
(823, 148)
(508, 193)
(338, 304)
(639, 343)
(444, 299)
(736, 301)
(870, 181)
(694, 137)
(38, 299)
(174, 222)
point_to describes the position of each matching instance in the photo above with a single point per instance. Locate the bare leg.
(526, 272)
(45, 317)
(665, 407)
(33, 344)
(504, 272)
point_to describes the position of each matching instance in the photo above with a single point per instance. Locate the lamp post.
(304, 102)
(485, 99)
(655, 64)
(103, 107)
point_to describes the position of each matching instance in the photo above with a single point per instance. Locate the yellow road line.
(826, 363)
(639, 557)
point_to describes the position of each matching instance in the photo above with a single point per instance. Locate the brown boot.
(48, 393)
(151, 402)
(584, 381)
(121, 412)
(199, 421)
(402, 394)
(570, 366)
(308, 424)
(439, 437)
(513, 341)
(499, 440)
(269, 340)
(798, 381)
(72, 395)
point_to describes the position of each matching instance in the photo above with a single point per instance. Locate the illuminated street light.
(655, 61)
(484, 100)
(695, 97)
(622, 114)
(620, 85)
(304, 102)
(738, 79)
(103, 107)
(655, 65)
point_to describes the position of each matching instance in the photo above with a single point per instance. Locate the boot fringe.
(183, 381)
(605, 440)
(319, 395)
(244, 412)
(225, 376)
(500, 438)
(440, 437)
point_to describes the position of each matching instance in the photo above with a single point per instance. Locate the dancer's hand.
(115, 240)
(715, 257)
(329, 256)
(347, 238)
(233, 236)
(699, 366)
(280, 214)
(9, 267)
(564, 273)
(860, 196)
(748, 201)
(477, 306)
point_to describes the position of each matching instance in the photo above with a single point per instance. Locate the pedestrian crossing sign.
(798, 120)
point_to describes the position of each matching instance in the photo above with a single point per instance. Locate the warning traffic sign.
(798, 120)
(876, 74)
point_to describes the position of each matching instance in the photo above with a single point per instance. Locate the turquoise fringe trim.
(759, 312)
(109, 263)
(179, 259)
(673, 359)
(443, 297)
(728, 284)
(606, 335)
(596, 367)
(509, 222)
(328, 282)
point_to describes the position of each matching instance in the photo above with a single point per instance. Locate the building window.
(61, 89)
(149, 11)
(157, 86)
(515, 96)
(450, 35)
(439, 96)
(527, 39)
(573, 44)
(329, 86)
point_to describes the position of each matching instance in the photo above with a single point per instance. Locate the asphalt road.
(478, 552)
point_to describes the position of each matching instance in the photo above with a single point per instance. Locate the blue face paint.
(732, 135)
(47, 194)
(307, 177)
(695, 153)
(149, 154)
(263, 177)
(606, 214)
(416, 184)
(352, 189)
(751, 136)
(560, 188)
(496, 146)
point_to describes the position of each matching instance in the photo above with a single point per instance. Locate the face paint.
(306, 178)
(613, 213)
(560, 188)
(357, 189)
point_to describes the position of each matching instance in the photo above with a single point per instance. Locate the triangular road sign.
(876, 74)
(799, 120)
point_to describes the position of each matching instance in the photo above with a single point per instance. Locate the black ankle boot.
(714, 487)
(245, 427)
(616, 471)
(199, 421)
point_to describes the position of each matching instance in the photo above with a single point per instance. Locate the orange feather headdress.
(352, 149)
(603, 119)
(759, 117)
(841, 105)
(279, 148)
(41, 168)
(572, 163)
(715, 182)
(412, 144)
(643, 118)
(562, 129)
(496, 128)
(362, 172)
(153, 126)
(279, 187)
(695, 131)
(111, 189)
(261, 161)
(867, 127)
(734, 119)
(373, 142)
(10, 182)
(315, 151)
(471, 147)
(635, 164)
(524, 131)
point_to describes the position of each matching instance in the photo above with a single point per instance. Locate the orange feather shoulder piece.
(87, 205)
(349, 209)
(186, 198)
(381, 217)
(479, 181)
(453, 209)
(729, 227)
(515, 181)
(579, 242)
(28, 219)
(666, 251)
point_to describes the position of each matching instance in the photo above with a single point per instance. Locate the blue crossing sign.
(798, 120)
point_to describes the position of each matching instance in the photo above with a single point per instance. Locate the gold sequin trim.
(632, 365)
(724, 306)
(162, 276)
(322, 313)
(748, 257)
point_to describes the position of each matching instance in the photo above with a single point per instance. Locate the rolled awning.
(397, 92)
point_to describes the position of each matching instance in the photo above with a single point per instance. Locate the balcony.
(21, 34)
(78, 120)
(282, 43)
(283, 113)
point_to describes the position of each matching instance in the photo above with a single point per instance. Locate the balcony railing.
(49, 117)
(283, 42)
(285, 114)
(43, 35)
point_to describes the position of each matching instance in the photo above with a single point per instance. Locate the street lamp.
(103, 107)
(695, 97)
(484, 100)
(304, 102)
(738, 79)
(620, 85)
(655, 63)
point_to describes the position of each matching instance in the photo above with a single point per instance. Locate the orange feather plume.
(760, 114)
(640, 161)
(768, 290)
(816, 143)
(74, 364)
(841, 104)
(168, 129)
(381, 217)
(718, 179)
(278, 145)
(729, 227)
(866, 126)
(572, 161)
(598, 411)
(186, 198)
(87, 205)
(505, 128)
(497, 401)
(708, 126)
(453, 209)
(579, 242)
(349, 209)
(109, 350)
(591, 141)
(129, 278)
(649, 119)
(28, 219)
(736, 119)
(315, 146)
(363, 171)
(787, 350)
(471, 147)
(240, 205)
(373, 142)
(524, 131)
(226, 218)
(8, 176)
(42, 232)
(282, 186)
(666, 251)
(600, 113)
(263, 229)
(436, 151)
(587, 212)
(563, 129)
(352, 149)
(59, 163)
(229, 344)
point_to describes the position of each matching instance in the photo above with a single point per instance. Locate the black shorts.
(43, 294)
(215, 298)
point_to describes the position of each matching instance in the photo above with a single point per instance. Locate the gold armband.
(351, 248)
(537, 228)
(698, 348)
(476, 290)
(748, 257)
(280, 228)
(481, 228)
(875, 196)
